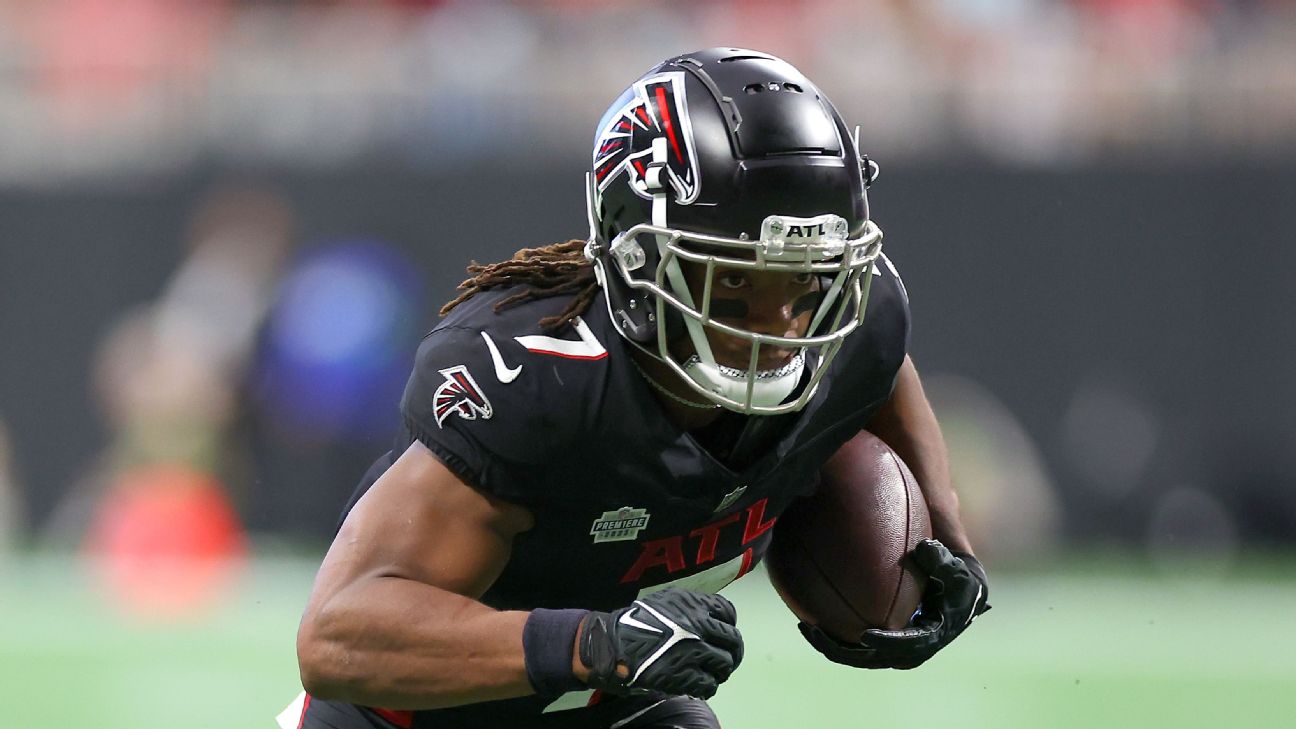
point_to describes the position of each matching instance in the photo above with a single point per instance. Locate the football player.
(600, 434)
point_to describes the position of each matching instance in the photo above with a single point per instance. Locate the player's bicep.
(420, 522)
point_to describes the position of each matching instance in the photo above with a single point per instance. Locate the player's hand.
(675, 641)
(956, 593)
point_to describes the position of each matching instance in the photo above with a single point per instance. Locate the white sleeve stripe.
(587, 348)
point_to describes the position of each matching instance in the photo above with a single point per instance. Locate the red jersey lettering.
(668, 552)
(710, 534)
(756, 525)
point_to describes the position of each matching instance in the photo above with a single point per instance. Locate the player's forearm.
(927, 458)
(401, 644)
(943, 506)
(908, 425)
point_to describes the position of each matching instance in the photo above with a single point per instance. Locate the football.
(838, 557)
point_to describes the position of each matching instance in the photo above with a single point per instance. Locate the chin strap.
(759, 389)
(659, 387)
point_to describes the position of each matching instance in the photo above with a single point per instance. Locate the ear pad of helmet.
(631, 311)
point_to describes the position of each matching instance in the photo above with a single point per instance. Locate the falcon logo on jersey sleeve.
(460, 395)
(656, 109)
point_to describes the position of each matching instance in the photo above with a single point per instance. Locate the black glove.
(956, 593)
(675, 641)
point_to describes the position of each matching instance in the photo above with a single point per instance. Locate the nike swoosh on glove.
(675, 641)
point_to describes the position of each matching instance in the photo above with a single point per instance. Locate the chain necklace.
(676, 398)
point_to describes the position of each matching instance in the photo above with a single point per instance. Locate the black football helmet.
(732, 158)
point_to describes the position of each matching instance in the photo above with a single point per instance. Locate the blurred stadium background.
(225, 225)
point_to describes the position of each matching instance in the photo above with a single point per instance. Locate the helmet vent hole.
(772, 86)
(731, 59)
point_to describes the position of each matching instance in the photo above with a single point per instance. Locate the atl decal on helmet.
(460, 395)
(656, 109)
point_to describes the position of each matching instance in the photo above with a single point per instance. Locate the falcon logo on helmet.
(460, 395)
(656, 108)
(786, 196)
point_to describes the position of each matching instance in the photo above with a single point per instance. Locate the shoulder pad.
(497, 405)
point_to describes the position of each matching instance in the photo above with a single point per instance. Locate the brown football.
(838, 557)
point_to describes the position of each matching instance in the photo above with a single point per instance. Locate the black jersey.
(624, 502)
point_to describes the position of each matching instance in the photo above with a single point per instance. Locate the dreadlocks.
(552, 270)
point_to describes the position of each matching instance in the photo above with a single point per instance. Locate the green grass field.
(1085, 644)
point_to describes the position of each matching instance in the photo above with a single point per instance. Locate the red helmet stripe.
(605, 168)
(666, 119)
